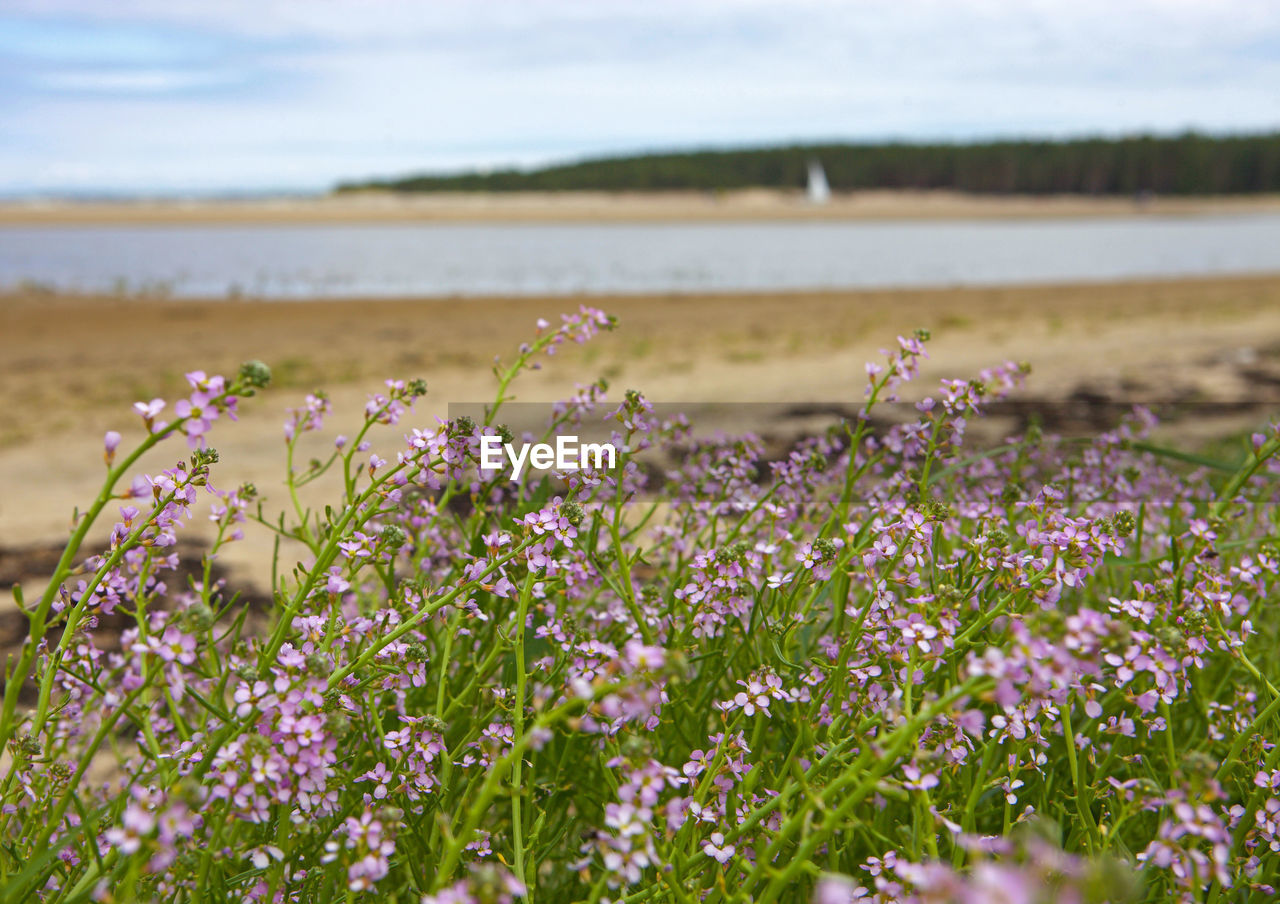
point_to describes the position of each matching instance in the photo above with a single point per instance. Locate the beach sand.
(70, 367)
(595, 207)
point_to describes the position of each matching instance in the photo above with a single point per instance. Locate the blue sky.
(179, 96)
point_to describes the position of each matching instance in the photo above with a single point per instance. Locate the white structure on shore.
(819, 191)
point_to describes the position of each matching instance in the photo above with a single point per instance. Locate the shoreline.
(602, 207)
(24, 295)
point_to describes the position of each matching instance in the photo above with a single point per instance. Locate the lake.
(534, 259)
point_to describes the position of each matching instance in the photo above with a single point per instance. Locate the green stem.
(1082, 801)
(517, 790)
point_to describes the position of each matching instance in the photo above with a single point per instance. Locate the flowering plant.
(879, 667)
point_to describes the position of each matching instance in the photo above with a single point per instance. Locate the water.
(453, 259)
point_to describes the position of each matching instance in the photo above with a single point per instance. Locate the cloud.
(134, 81)
(169, 95)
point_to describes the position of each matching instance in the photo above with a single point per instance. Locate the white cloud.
(273, 93)
(134, 81)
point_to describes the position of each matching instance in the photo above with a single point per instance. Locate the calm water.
(444, 260)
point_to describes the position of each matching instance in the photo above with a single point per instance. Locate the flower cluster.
(876, 665)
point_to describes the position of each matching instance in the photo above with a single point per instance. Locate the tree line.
(1187, 164)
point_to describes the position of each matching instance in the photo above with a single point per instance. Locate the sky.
(175, 96)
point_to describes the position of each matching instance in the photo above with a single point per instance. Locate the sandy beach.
(70, 367)
(610, 207)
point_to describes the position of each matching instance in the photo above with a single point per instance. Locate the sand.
(70, 367)
(588, 207)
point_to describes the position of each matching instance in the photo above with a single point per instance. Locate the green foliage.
(1188, 164)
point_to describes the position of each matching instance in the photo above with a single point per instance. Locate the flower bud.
(572, 512)
(393, 536)
(110, 443)
(255, 374)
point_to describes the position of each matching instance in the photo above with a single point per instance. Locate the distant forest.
(1189, 164)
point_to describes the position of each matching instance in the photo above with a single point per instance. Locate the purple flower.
(918, 781)
(832, 889)
(148, 412)
(110, 442)
(716, 849)
(200, 413)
